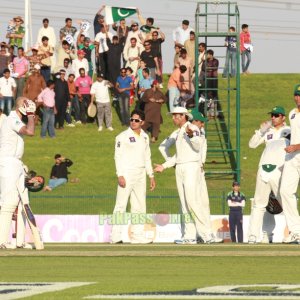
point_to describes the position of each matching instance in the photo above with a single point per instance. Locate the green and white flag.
(114, 14)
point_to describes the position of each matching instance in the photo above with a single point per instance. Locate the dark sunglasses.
(135, 120)
(275, 115)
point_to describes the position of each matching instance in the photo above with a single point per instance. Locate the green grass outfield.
(92, 153)
(117, 269)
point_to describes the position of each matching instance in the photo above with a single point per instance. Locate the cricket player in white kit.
(275, 134)
(133, 161)
(290, 175)
(188, 142)
(12, 174)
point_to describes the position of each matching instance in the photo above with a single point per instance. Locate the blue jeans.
(124, 108)
(75, 107)
(46, 73)
(245, 65)
(230, 64)
(54, 183)
(6, 104)
(48, 122)
(173, 98)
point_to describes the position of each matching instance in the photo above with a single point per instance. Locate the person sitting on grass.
(59, 173)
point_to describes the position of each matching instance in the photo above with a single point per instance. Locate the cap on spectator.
(297, 90)
(35, 47)
(198, 116)
(80, 52)
(186, 22)
(18, 18)
(37, 67)
(57, 156)
(277, 110)
(235, 183)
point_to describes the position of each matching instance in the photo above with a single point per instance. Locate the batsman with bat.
(12, 174)
(275, 134)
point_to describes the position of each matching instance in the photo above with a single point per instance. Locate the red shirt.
(244, 39)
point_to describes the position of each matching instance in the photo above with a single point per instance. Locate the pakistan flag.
(114, 14)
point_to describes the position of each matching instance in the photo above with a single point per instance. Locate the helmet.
(34, 182)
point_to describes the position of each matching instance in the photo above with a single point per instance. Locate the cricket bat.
(37, 238)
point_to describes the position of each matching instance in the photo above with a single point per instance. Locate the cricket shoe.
(7, 246)
(110, 128)
(252, 239)
(293, 238)
(100, 128)
(186, 242)
(266, 239)
(26, 246)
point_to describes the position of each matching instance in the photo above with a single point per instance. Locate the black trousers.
(61, 107)
(236, 225)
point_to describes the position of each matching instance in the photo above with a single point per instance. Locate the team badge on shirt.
(196, 133)
(132, 139)
(293, 116)
(269, 136)
(118, 144)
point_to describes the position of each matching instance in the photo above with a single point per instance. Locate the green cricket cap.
(297, 90)
(278, 110)
(198, 116)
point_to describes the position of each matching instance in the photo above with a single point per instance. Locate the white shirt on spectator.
(101, 39)
(77, 64)
(101, 91)
(49, 33)
(6, 86)
(180, 35)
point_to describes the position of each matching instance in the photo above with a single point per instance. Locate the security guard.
(236, 202)
(133, 161)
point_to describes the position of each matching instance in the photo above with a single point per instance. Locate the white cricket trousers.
(188, 185)
(11, 182)
(135, 189)
(259, 217)
(288, 190)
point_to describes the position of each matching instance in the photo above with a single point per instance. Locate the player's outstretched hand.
(158, 168)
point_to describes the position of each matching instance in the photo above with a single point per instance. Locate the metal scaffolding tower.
(219, 101)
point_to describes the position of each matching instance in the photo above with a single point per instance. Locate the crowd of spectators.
(125, 62)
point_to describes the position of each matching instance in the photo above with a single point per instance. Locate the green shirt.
(17, 41)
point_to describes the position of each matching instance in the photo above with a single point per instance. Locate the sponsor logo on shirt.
(293, 116)
(269, 136)
(132, 139)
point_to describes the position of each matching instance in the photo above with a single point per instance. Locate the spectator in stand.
(177, 54)
(100, 95)
(145, 83)
(11, 52)
(245, 42)
(74, 98)
(182, 33)
(132, 54)
(175, 86)
(48, 32)
(88, 47)
(153, 99)
(47, 51)
(115, 49)
(68, 67)
(17, 35)
(83, 86)
(135, 33)
(230, 63)
(156, 48)
(123, 86)
(139, 73)
(129, 73)
(80, 39)
(122, 31)
(21, 67)
(7, 92)
(151, 60)
(34, 85)
(210, 72)
(189, 45)
(102, 49)
(79, 63)
(202, 56)
(184, 60)
(68, 29)
(4, 59)
(47, 100)
(35, 58)
(62, 97)
(98, 20)
(63, 51)
(59, 173)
